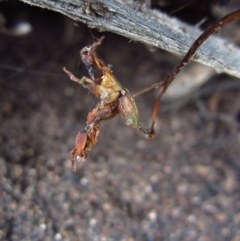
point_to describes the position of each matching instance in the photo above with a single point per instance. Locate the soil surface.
(182, 185)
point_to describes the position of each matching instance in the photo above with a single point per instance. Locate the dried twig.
(151, 27)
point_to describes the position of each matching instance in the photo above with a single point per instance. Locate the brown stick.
(163, 85)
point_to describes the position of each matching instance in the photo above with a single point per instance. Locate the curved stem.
(163, 85)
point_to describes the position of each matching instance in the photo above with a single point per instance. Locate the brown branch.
(148, 26)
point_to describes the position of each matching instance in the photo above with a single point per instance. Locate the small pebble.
(57, 236)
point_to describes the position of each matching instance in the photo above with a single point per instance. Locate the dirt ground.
(182, 185)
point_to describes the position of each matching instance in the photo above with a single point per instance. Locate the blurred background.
(182, 185)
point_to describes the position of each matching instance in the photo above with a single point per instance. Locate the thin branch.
(151, 27)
